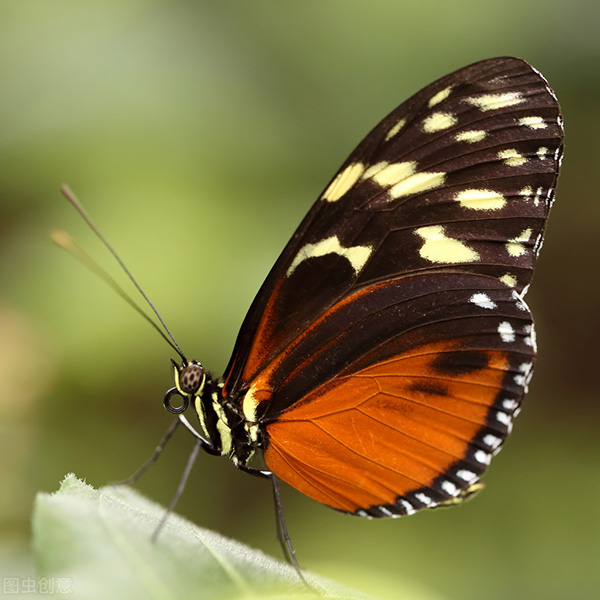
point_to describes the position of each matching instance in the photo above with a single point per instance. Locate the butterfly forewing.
(464, 167)
(389, 346)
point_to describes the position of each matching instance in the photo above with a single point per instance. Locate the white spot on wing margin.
(506, 331)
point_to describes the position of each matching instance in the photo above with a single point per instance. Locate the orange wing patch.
(371, 438)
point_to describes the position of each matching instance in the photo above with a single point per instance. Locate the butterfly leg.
(133, 478)
(180, 488)
(161, 445)
(201, 442)
(282, 532)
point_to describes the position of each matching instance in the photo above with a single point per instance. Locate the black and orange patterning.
(383, 360)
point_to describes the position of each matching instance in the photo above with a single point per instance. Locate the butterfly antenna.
(62, 239)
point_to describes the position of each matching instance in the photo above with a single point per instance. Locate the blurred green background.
(198, 134)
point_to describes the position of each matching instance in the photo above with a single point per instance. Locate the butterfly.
(385, 356)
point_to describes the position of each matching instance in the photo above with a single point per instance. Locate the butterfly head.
(190, 379)
(224, 430)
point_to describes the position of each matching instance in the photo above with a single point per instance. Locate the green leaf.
(100, 541)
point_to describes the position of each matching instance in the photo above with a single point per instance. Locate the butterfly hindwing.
(420, 387)
(389, 347)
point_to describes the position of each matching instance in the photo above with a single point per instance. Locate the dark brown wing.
(461, 175)
(394, 317)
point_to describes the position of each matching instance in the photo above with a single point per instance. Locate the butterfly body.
(382, 362)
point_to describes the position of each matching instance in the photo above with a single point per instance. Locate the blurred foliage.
(197, 134)
(82, 534)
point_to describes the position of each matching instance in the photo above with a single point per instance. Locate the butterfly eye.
(176, 410)
(191, 378)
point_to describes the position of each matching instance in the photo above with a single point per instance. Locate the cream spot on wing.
(512, 158)
(437, 248)
(541, 152)
(438, 121)
(471, 136)
(357, 256)
(343, 182)
(385, 174)
(515, 246)
(486, 102)
(538, 195)
(533, 122)
(526, 192)
(509, 280)
(478, 199)
(395, 129)
(401, 178)
(419, 182)
(439, 97)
